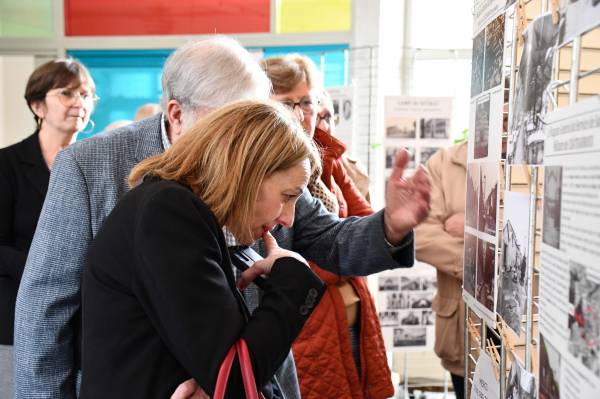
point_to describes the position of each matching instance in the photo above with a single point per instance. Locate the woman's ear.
(39, 109)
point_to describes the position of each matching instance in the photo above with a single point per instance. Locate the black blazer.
(160, 303)
(24, 178)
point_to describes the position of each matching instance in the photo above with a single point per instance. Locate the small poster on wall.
(344, 111)
(570, 260)
(419, 124)
(526, 136)
(404, 298)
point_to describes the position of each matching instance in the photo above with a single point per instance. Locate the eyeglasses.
(325, 117)
(68, 97)
(307, 105)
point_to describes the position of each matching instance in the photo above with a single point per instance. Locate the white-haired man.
(90, 176)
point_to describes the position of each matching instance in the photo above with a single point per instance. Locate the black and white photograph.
(390, 157)
(472, 199)
(470, 264)
(482, 129)
(552, 205)
(389, 283)
(526, 137)
(410, 336)
(520, 383)
(410, 283)
(477, 63)
(401, 128)
(426, 153)
(429, 283)
(427, 318)
(420, 300)
(584, 322)
(576, 18)
(549, 379)
(434, 128)
(388, 317)
(494, 51)
(513, 270)
(396, 300)
(485, 274)
(488, 195)
(410, 317)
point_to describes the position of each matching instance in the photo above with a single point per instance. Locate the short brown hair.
(225, 157)
(65, 72)
(287, 71)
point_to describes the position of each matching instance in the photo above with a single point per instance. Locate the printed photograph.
(482, 129)
(388, 318)
(576, 18)
(390, 157)
(410, 317)
(552, 204)
(426, 153)
(396, 300)
(472, 199)
(427, 318)
(388, 283)
(410, 336)
(494, 51)
(512, 294)
(477, 63)
(435, 128)
(549, 370)
(526, 136)
(420, 300)
(410, 283)
(485, 274)
(488, 195)
(401, 128)
(584, 322)
(429, 283)
(470, 264)
(520, 384)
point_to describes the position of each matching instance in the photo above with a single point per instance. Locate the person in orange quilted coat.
(340, 351)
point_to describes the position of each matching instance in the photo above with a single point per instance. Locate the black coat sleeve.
(12, 260)
(180, 281)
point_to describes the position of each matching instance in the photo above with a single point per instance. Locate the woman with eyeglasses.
(61, 96)
(350, 363)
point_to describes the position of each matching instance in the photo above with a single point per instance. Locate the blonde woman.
(160, 303)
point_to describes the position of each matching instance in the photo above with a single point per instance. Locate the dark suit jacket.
(160, 303)
(23, 184)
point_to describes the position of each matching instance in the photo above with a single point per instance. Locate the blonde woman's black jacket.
(23, 184)
(160, 303)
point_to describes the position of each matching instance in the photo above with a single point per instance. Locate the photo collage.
(422, 125)
(404, 304)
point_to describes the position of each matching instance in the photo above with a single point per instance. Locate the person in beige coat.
(439, 242)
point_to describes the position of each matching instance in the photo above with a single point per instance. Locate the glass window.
(313, 16)
(125, 80)
(26, 18)
(439, 24)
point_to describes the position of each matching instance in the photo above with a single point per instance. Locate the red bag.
(241, 348)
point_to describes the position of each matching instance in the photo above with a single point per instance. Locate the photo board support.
(530, 263)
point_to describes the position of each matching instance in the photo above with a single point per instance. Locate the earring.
(90, 125)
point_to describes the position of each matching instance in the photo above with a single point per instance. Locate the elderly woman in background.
(160, 303)
(352, 362)
(61, 96)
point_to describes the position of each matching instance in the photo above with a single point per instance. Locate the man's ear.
(175, 118)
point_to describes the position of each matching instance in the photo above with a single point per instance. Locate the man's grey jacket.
(87, 180)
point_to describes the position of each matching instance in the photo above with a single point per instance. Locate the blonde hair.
(225, 157)
(287, 71)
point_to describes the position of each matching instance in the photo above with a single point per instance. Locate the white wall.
(16, 121)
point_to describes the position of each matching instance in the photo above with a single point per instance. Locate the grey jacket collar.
(150, 139)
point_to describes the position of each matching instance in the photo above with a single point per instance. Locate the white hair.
(208, 74)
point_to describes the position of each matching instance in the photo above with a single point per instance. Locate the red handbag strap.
(241, 348)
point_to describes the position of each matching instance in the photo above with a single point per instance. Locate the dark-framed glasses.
(307, 104)
(68, 97)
